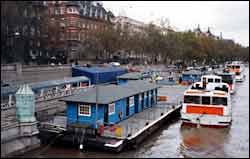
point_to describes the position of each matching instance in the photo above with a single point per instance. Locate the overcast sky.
(229, 17)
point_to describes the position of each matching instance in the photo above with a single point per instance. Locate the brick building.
(71, 23)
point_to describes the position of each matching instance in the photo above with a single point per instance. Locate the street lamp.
(17, 56)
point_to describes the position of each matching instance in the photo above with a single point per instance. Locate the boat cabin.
(229, 78)
(109, 104)
(191, 76)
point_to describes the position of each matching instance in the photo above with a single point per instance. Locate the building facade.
(71, 24)
(129, 24)
(23, 35)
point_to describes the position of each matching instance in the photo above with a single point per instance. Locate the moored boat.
(237, 68)
(229, 78)
(207, 104)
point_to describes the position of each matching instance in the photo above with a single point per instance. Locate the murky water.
(175, 140)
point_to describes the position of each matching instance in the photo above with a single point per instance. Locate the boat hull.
(206, 120)
(240, 78)
(202, 125)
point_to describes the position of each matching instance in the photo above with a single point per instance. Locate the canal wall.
(18, 138)
(18, 74)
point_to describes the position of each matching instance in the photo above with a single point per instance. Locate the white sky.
(229, 17)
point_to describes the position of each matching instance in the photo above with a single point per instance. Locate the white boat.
(237, 67)
(207, 103)
(229, 78)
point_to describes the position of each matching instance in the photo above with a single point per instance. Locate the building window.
(57, 12)
(32, 31)
(31, 43)
(25, 13)
(70, 10)
(61, 36)
(111, 108)
(83, 25)
(62, 10)
(84, 110)
(25, 30)
(62, 24)
(38, 33)
(131, 101)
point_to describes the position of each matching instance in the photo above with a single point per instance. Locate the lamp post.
(17, 56)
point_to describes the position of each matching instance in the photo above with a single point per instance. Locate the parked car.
(115, 63)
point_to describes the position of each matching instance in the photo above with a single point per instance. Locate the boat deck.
(137, 122)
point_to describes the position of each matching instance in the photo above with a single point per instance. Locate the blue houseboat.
(99, 74)
(110, 104)
(131, 76)
(191, 76)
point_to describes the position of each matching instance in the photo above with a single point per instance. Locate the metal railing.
(48, 96)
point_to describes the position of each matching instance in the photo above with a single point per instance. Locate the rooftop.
(131, 75)
(111, 93)
(99, 69)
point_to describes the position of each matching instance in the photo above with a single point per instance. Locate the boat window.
(237, 67)
(205, 100)
(237, 73)
(84, 110)
(209, 80)
(217, 80)
(131, 101)
(219, 101)
(192, 99)
(111, 108)
(227, 79)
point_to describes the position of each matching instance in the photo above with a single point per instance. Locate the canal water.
(174, 140)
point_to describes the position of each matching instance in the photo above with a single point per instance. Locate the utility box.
(25, 104)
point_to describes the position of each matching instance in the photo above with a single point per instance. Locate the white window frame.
(82, 105)
(131, 101)
(111, 105)
(140, 97)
